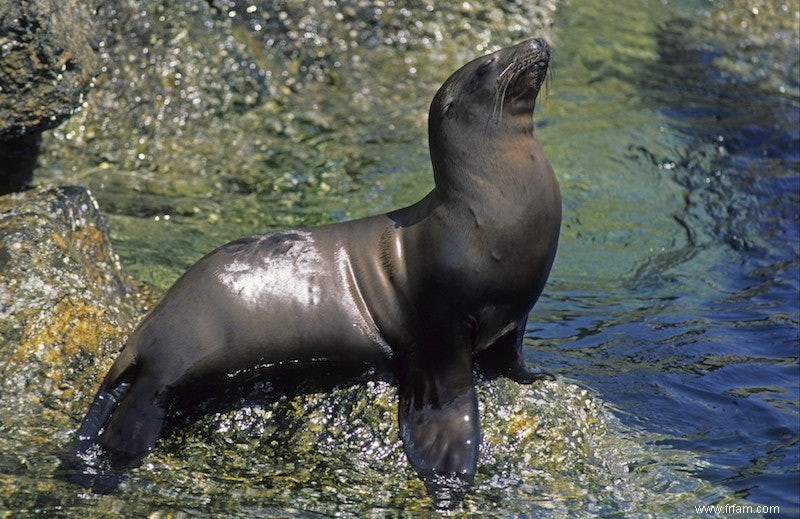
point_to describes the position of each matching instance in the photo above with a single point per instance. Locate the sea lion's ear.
(445, 99)
(439, 426)
(445, 108)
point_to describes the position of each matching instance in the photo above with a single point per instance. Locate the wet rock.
(64, 300)
(47, 62)
(314, 40)
(550, 445)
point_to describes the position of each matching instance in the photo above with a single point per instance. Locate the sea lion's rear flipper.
(439, 426)
(103, 405)
(134, 427)
(113, 389)
(124, 421)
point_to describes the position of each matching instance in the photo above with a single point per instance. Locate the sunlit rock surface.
(64, 297)
(547, 448)
(47, 62)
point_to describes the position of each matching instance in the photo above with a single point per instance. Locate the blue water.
(682, 309)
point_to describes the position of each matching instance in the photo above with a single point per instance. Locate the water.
(675, 294)
(673, 127)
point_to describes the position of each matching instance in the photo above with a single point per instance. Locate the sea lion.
(421, 293)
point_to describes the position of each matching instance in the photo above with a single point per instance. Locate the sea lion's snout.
(537, 45)
(523, 70)
(535, 55)
(533, 52)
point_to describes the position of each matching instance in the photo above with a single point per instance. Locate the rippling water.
(673, 127)
(680, 306)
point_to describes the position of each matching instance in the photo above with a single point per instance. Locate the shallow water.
(674, 297)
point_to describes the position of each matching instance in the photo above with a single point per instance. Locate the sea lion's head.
(491, 88)
(480, 111)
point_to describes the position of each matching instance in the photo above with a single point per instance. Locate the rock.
(64, 299)
(47, 63)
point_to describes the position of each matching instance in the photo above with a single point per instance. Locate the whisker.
(549, 79)
(501, 75)
(503, 95)
(504, 81)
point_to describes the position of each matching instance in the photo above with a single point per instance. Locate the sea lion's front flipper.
(504, 358)
(439, 426)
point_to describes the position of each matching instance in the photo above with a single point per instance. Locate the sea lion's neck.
(497, 161)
